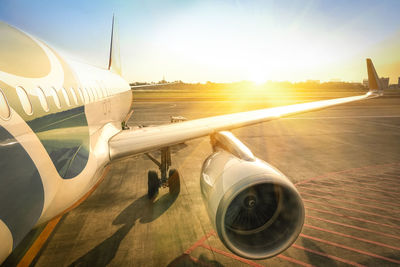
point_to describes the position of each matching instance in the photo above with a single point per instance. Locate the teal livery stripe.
(21, 188)
(65, 136)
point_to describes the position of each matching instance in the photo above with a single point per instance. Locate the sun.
(259, 77)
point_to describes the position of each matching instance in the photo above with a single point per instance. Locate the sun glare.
(258, 78)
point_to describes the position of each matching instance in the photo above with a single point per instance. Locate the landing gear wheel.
(174, 184)
(153, 184)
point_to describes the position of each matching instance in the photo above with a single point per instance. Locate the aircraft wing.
(131, 142)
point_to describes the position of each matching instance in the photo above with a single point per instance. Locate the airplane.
(62, 122)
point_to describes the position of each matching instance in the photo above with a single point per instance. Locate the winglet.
(373, 78)
(114, 62)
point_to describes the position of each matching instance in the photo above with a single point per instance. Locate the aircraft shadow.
(314, 259)
(142, 210)
(187, 261)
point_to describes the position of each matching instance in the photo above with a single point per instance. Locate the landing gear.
(174, 184)
(171, 180)
(153, 184)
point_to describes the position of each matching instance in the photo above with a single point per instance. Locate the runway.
(345, 161)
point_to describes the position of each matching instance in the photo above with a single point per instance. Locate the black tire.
(153, 184)
(174, 183)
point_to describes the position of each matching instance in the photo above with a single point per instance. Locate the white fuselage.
(56, 118)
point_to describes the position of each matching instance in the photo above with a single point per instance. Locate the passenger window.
(95, 93)
(101, 92)
(81, 95)
(96, 89)
(4, 107)
(89, 96)
(103, 87)
(23, 97)
(66, 97)
(73, 95)
(100, 89)
(54, 94)
(42, 99)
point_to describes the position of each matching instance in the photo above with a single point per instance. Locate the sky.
(221, 40)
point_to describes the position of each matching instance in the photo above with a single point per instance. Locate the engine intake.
(255, 209)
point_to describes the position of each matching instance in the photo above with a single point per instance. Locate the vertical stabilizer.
(373, 78)
(114, 62)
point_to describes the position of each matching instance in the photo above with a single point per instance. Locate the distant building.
(384, 82)
(365, 83)
(313, 81)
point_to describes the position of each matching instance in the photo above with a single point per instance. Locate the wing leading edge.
(131, 142)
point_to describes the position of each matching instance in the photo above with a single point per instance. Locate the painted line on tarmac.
(199, 242)
(372, 180)
(328, 256)
(365, 183)
(340, 117)
(353, 227)
(390, 204)
(349, 171)
(352, 237)
(358, 186)
(32, 252)
(351, 191)
(230, 255)
(379, 177)
(392, 176)
(350, 248)
(352, 217)
(351, 209)
(348, 202)
(39, 242)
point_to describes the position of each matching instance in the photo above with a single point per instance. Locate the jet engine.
(255, 209)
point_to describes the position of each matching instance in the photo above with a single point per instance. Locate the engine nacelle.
(255, 209)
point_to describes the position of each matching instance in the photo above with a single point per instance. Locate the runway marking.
(351, 191)
(42, 239)
(348, 171)
(351, 236)
(328, 256)
(39, 242)
(348, 202)
(200, 243)
(356, 197)
(230, 255)
(320, 184)
(361, 187)
(294, 260)
(340, 117)
(354, 227)
(378, 178)
(353, 218)
(365, 183)
(350, 248)
(351, 209)
(391, 176)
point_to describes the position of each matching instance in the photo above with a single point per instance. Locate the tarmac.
(345, 162)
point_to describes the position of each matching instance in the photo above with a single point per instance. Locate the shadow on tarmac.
(142, 210)
(186, 260)
(314, 259)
